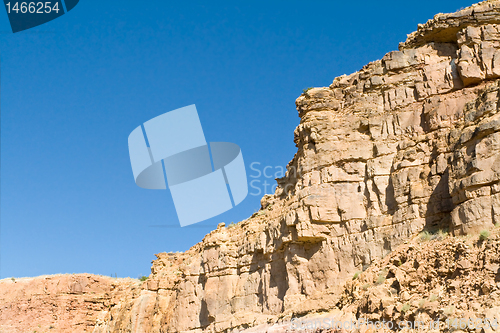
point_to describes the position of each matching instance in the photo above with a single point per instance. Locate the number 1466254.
(33, 7)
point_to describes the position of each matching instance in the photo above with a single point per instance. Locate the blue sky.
(73, 89)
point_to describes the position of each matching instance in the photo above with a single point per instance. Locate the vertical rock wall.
(410, 142)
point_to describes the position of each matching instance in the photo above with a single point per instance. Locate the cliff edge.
(408, 144)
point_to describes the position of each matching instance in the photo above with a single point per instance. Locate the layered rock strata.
(59, 303)
(410, 142)
(435, 282)
(432, 283)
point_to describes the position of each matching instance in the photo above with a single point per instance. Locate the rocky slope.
(430, 283)
(59, 303)
(409, 143)
(455, 280)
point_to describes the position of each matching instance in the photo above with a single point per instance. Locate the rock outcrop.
(432, 283)
(408, 143)
(59, 303)
(436, 282)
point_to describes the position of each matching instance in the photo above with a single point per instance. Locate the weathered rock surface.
(431, 283)
(408, 143)
(59, 303)
(442, 284)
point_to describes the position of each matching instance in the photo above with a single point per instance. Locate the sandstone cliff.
(453, 279)
(433, 282)
(59, 303)
(409, 143)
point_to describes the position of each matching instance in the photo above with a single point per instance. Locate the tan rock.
(411, 141)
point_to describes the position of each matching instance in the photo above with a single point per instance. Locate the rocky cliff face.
(455, 280)
(410, 142)
(59, 303)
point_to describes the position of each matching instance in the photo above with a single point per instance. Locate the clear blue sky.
(73, 89)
